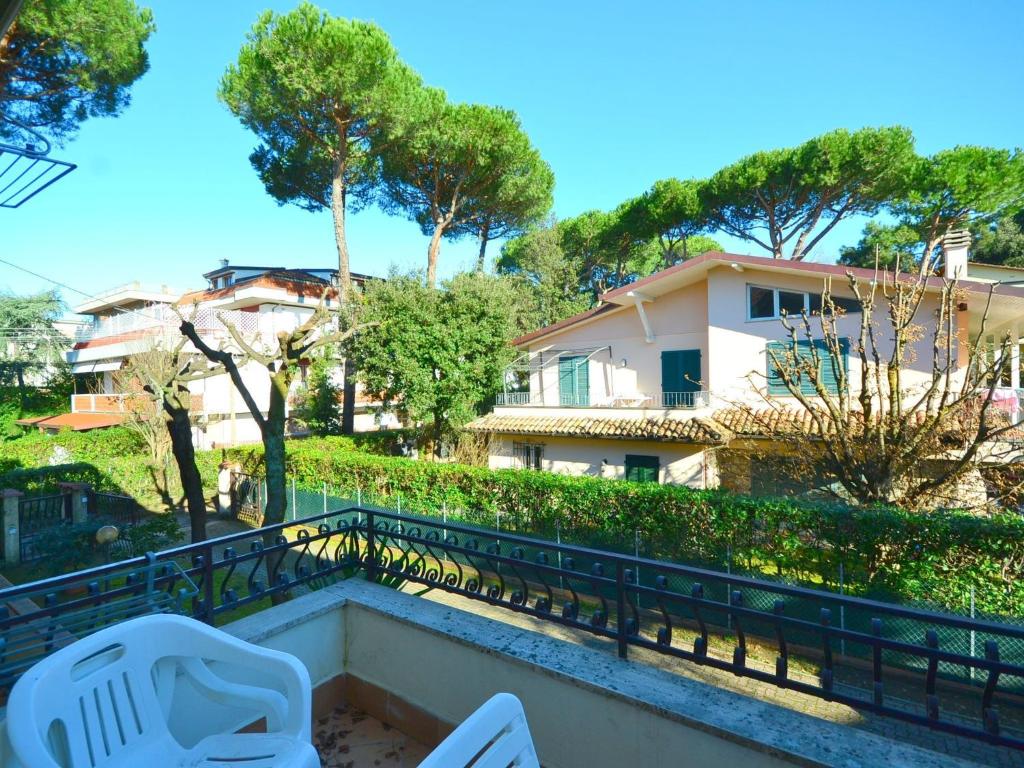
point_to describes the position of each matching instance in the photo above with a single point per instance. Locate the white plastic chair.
(496, 735)
(104, 701)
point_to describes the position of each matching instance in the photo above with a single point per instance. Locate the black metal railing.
(898, 663)
(121, 509)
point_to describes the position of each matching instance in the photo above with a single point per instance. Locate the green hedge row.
(935, 557)
(116, 458)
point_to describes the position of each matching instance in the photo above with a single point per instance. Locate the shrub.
(936, 557)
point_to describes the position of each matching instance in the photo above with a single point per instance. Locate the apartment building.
(130, 319)
(662, 375)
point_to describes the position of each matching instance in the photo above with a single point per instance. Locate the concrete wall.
(585, 707)
(680, 464)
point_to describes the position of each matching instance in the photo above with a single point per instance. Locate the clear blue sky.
(615, 95)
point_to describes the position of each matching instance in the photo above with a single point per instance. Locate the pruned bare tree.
(914, 415)
(163, 370)
(281, 361)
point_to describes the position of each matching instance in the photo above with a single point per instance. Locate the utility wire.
(59, 284)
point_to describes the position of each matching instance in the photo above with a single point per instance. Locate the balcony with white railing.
(162, 318)
(638, 400)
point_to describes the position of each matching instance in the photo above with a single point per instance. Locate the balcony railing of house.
(901, 662)
(121, 403)
(666, 400)
(162, 318)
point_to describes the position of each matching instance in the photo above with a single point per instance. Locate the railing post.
(371, 549)
(620, 606)
(226, 487)
(11, 499)
(208, 585)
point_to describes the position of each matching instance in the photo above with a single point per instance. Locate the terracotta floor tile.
(350, 738)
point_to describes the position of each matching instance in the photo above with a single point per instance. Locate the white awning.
(96, 366)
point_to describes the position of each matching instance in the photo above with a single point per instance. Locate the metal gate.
(247, 498)
(37, 515)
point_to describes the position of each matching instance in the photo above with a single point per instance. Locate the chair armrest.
(237, 694)
(215, 645)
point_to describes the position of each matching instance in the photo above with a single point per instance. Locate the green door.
(573, 380)
(642, 469)
(680, 377)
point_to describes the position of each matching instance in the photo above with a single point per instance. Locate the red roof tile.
(78, 422)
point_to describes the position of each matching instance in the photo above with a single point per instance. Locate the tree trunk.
(432, 254)
(348, 413)
(481, 258)
(179, 427)
(338, 212)
(273, 451)
(274, 466)
(19, 372)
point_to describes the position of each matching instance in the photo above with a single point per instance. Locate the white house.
(258, 301)
(654, 380)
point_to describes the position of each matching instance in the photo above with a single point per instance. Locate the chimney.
(955, 248)
(223, 262)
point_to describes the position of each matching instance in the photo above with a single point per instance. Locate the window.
(642, 469)
(762, 302)
(770, 303)
(573, 380)
(780, 350)
(792, 303)
(528, 455)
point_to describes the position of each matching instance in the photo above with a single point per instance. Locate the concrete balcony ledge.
(585, 707)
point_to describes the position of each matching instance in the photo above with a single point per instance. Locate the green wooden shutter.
(680, 372)
(828, 373)
(775, 384)
(642, 469)
(573, 381)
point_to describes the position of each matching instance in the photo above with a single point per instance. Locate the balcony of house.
(622, 400)
(165, 319)
(406, 625)
(649, 382)
(121, 403)
(130, 294)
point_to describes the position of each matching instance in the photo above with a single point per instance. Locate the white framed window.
(528, 455)
(768, 303)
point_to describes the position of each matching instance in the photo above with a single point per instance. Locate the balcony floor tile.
(350, 738)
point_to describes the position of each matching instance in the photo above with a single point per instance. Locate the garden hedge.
(933, 557)
(117, 459)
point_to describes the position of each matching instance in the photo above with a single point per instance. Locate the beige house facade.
(646, 385)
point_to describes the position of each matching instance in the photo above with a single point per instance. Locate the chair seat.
(252, 750)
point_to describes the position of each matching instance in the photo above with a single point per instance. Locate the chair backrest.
(495, 736)
(92, 701)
